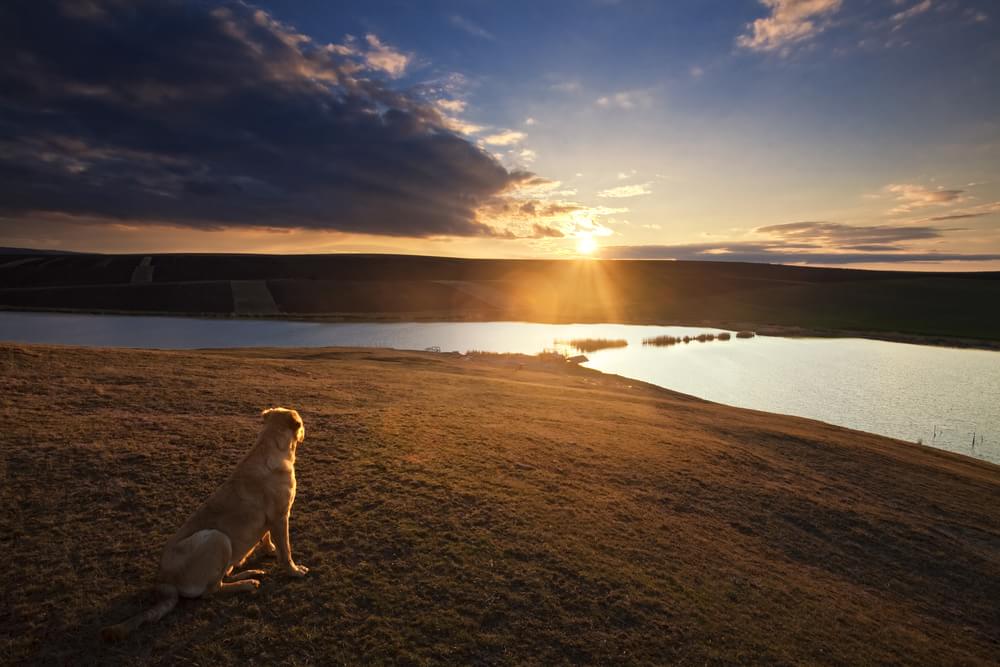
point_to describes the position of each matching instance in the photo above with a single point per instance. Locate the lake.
(944, 397)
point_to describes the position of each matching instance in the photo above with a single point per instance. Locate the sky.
(860, 133)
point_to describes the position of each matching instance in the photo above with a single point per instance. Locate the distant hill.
(35, 251)
(902, 304)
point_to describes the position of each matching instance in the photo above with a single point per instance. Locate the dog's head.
(285, 419)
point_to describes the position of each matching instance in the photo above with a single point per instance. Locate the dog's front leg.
(280, 535)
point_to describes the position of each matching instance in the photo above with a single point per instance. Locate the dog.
(248, 511)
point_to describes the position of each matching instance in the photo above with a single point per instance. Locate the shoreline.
(513, 360)
(777, 330)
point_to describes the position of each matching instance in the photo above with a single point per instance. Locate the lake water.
(948, 398)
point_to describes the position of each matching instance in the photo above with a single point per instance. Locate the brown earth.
(483, 510)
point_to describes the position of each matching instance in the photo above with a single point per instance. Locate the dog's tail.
(167, 601)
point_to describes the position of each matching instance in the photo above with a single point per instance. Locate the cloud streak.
(810, 243)
(912, 197)
(837, 234)
(505, 138)
(625, 100)
(468, 26)
(623, 191)
(178, 113)
(763, 253)
(979, 211)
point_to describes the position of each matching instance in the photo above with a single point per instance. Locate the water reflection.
(947, 398)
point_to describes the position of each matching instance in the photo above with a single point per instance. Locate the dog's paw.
(298, 570)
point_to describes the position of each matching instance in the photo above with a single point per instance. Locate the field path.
(252, 297)
(143, 272)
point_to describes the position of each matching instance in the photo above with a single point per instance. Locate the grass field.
(491, 510)
(948, 308)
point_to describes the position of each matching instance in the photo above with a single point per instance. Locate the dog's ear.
(266, 412)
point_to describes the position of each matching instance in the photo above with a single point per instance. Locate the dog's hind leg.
(197, 564)
(244, 586)
(245, 574)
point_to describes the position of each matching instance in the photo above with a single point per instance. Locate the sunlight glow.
(586, 244)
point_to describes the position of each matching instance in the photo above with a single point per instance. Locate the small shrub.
(551, 355)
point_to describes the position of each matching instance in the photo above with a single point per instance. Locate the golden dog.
(247, 511)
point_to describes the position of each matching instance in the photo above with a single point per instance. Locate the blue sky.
(684, 129)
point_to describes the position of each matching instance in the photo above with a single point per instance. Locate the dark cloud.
(215, 116)
(809, 243)
(771, 254)
(838, 234)
(546, 231)
(959, 216)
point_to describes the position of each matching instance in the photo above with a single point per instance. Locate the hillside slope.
(378, 287)
(485, 510)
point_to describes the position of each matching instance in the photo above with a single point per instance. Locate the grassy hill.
(956, 307)
(483, 510)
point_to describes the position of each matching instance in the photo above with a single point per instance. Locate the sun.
(586, 244)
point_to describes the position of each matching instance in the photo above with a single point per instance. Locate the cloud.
(505, 138)
(537, 208)
(622, 191)
(178, 113)
(470, 27)
(625, 100)
(899, 18)
(529, 121)
(810, 243)
(755, 252)
(917, 196)
(971, 212)
(385, 58)
(790, 22)
(567, 86)
(461, 126)
(837, 234)
(451, 106)
(975, 15)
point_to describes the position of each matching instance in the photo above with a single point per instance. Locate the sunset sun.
(586, 245)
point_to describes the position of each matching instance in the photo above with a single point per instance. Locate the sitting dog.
(247, 511)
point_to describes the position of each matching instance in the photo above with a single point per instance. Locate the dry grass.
(463, 511)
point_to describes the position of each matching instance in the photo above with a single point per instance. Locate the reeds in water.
(593, 344)
(661, 341)
(665, 341)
